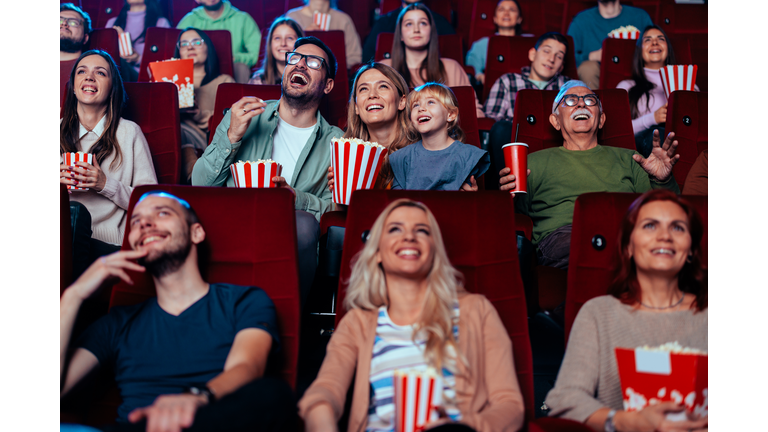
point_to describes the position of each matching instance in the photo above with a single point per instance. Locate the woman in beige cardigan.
(339, 20)
(408, 310)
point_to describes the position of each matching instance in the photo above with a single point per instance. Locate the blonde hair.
(357, 129)
(445, 96)
(368, 290)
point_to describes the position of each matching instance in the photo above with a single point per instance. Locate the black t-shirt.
(386, 24)
(153, 352)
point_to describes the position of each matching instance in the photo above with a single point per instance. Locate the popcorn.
(416, 394)
(673, 347)
(256, 174)
(182, 73)
(70, 158)
(625, 32)
(356, 164)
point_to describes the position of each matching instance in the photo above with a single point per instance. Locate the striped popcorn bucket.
(355, 166)
(70, 159)
(416, 394)
(126, 47)
(322, 20)
(678, 77)
(255, 174)
(625, 35)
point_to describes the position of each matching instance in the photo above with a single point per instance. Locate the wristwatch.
(202, 389)
(609, 426)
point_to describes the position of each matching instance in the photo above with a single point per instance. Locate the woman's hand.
(330, 178)
(660, 116)
(85, 175)
(654, 418)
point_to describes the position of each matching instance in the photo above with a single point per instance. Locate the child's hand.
(468, 188)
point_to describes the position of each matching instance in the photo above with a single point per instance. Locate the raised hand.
(242, 112)
(105, 271)
(659, 163)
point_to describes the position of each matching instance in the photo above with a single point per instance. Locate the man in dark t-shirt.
(194, 355)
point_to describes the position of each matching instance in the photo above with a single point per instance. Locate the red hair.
(691, 278)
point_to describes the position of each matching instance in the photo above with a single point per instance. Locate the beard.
(302, 100)
(71, 46)
(168, 261)
(215, 7)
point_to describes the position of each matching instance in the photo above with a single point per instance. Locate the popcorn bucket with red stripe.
(323, 20)
(650, 377)
(416, 395)
(126, 47)
(70, 159)
(678, 77)
(624, 35)
(356, 165)
(255, 174)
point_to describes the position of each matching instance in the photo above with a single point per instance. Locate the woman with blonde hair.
(408, 310)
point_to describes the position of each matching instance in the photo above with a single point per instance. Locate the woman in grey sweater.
(659, 295)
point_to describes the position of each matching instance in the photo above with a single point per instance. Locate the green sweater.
(246, 36)
(309, 177)
(559, 176)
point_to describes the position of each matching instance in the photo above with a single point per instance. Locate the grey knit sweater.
(588, 379)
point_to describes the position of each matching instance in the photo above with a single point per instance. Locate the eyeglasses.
(313, 62)
(573, 100)
(185, 43)
(70, 22)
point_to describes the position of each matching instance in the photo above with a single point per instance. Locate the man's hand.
(660, 116)
(105, 271)
(241, 114)
(282, 183)
(662, 158)
(507, 180)
(169, 413)
(596, 55)
(469, 188)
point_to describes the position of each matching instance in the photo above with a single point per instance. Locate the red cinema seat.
(388, 6)
(361, 13)
(101, 11)
(334, 105)
(533, 108)
(65, 239)
(681, 18)
(697, 44)
(616, 62)
(687, 117)
(105, 40)
(509, 54)
(229, 93)
(74, 2)
(468, 120)
(597, 218)
(155, 108)
(161, 44)
(450, 47)
(482, 19)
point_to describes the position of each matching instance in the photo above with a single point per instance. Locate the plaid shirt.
(500, 104)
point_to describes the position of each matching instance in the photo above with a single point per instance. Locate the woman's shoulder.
(128, 126)
(293, 13)
(601, 303)
(473, 302)
(339, 14)
(450, 63)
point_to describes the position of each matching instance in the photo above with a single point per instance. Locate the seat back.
(250, 255)
(482, 19)
(361, 13)
(333, 107)
(479, 234)
(697, 44)
(229, 93)
(65, 239)
(682, 18)
(509, 54)
(687, 117)
(533, 108)
(161, 44)
(101, 11)
(597, 218)
(468, 120)
(105, 40)
(450, 47)
(616, 63)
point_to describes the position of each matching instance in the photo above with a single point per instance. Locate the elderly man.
(290, 131)
(194, 356)
(557, 176)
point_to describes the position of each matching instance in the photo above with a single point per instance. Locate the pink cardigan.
(454, 76)
(488, 394)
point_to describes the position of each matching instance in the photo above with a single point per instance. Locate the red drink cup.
(516, 159)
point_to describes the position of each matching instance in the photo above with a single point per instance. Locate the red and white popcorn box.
(678, 77)
(179, 72)
(356, 164)
(625, 32)
(70, 158)
(416, 394)
(650, 376)
(256, 174)
(322, 20)
(126, 47)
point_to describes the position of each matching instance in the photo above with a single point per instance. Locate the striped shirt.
(394, 349)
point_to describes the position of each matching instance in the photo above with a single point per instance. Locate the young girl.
(136, 17)
(437, 160)
(282, 35)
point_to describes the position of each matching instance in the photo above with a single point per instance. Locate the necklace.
(665, 307)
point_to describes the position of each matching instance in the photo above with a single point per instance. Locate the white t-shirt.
(288, 142)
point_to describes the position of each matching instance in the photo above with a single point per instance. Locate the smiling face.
(429, 115)
(304, 83)
(415, 29)
(661, 240)
(198, 53)
(654, 49)
(580, 118)
(406, 246)
(93, 81)
(283, 38)
(376, 98)
(547, 60)
(507, 15)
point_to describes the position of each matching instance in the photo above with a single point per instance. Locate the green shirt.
(309, 177)
(559, 176)
(246, 36)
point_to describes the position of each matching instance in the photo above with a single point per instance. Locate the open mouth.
(299, 79)
(408, 253)
(89, 89)
(423, 119)
(663, 251)
(151, 239)
(374, 108)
